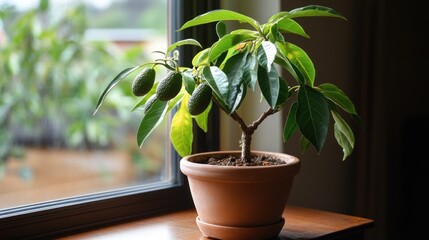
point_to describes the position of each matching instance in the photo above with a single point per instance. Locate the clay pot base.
(240, 233)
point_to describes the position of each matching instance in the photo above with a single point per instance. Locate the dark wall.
(379, 57)
(407, 120)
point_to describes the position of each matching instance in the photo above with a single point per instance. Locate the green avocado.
(143, 82)
(169, 86)
(200, 99)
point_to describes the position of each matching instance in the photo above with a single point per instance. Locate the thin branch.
(264, 115)
(234, 116)
(240, 121)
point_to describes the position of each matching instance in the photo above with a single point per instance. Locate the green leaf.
(269, 84)
(343, 134)
(223, 58)
(307, 11)
(304, 144)
(220, 15)
(312, 116)
(290, 26)
(250, 71)
(202, 119)
(201, 58)
(218, 81)
(188, 81)
(337, 96)
(113, 83)
(286, 64)
(266, 54)
(277, 17)
(218, 62)
(290, 125)
(240, 96)
(280, 38)
(226, 43)
(189, 41)
(151, 120)
(234, 72)
(300, 58)
(299, 75)
(283, 92)
(274, 31)
(314, 11)
(181, 129)
(220, 29)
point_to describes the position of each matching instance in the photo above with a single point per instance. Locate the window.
(55, 57)
(55, 217)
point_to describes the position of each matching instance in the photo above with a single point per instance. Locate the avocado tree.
(224, 72)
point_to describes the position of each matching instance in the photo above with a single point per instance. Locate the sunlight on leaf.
(183, 42)
(226, 43)
(220, 15)
(181, 129)
(220, 29)
(290, 26)
(343, 134)
(300, 58)
(266, 54)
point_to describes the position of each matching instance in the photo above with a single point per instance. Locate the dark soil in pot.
(265, 160)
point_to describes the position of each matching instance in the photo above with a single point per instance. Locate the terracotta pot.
(239, 202)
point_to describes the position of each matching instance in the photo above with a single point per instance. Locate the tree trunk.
(247, 131)
(246, 140)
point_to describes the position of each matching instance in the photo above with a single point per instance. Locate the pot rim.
(190, 167)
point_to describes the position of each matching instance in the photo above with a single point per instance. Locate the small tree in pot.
(222, 74)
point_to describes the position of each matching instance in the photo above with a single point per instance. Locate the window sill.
(301, 223)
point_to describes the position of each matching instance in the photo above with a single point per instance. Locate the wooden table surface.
(301, 223)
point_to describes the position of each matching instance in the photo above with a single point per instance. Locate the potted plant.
(225, 185)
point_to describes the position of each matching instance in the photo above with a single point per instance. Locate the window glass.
(56, 57)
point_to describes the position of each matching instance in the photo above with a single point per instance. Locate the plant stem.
(248, 130)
